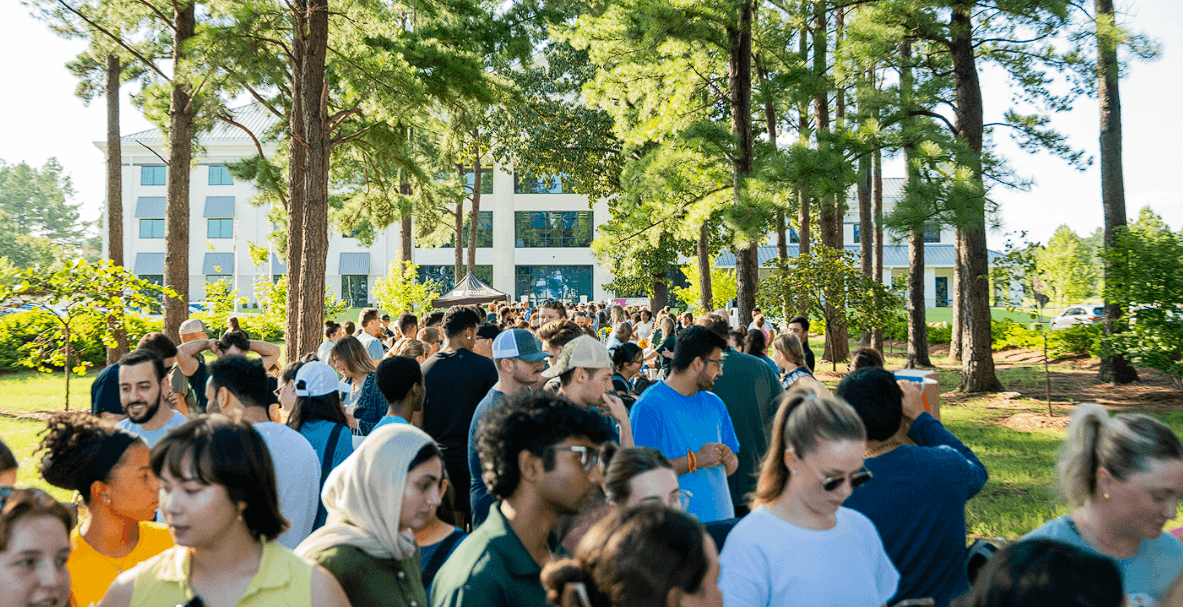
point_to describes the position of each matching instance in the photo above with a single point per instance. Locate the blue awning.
(149, 264)
(219, 206)
(150, 207)
(354, 264)
(220, 264)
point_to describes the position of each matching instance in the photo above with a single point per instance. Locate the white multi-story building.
(533, 237)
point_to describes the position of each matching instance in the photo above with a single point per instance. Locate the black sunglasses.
(832, 483)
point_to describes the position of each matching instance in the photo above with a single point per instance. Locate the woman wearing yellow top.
(109, 469)
(221, 504)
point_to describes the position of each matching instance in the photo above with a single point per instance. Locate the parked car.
(1078, 315)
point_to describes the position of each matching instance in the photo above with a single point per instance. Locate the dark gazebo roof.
(470, 290)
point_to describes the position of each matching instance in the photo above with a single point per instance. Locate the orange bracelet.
(692, 461)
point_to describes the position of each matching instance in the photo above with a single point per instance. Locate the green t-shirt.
(751, 392)
(375, 582)
(491, 568)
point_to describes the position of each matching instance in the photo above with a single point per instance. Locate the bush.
(1007, 333)
(23, 328)
(940, 335)
(264, 327)
(1075, 341)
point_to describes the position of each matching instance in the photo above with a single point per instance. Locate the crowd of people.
(583, 456)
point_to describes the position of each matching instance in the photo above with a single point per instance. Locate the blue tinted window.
(219, 175)
(553, 229)
(152, 175)
(221, 228)
(540, 283)
(151, 228)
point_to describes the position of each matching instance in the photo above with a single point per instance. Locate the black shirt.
(197, 383)
(455, 382)
(808, 357)
(104, 392)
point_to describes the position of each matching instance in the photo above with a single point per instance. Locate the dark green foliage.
(20, 332)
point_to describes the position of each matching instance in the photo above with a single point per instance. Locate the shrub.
(23, 328)
(1007, 333)
(940, 335)
(1075, 340)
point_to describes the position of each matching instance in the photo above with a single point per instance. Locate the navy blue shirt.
(916, 499)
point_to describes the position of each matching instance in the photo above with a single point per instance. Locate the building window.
(529, 184)
(212, 278)
(220, 175)
(445, 276)
(540, 283)
(932, 233)
(151, 228)
(486, 180)
(857, 232)
(553, 229)
(355, 290)
(354, 233)
(484, 233)
(794, 237)
(152, 175)
(221, 228)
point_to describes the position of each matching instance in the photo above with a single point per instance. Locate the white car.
(1078, 315)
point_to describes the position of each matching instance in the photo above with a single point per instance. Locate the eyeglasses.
(832, 483)
(589, 457)
(713, 360)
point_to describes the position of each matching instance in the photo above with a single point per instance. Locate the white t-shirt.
(322, 353)
(297, 472)
(770, 562)
(643, 330)
(152, 436)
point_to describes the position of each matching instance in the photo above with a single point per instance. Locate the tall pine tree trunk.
(957, 323)
(180, 154)
(866, 232)
(474, 217)
(704, 269)
(782, 242)
(803, 193)
(747, 263)
(877, 211)
(315, 245)
(295, 202)
(406, 239)
(661, 293)
(114, 190)
(1115, 369)
(977, 363)
(917, 329)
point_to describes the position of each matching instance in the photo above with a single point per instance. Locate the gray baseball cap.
(518, 343)
(583, 351)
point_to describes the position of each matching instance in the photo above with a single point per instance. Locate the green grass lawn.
(946, 315)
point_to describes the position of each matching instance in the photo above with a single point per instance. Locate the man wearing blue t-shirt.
(691, 426)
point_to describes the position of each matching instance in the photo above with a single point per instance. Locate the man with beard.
(518, 356)
(540, 456)
(584, 369)
(142, 392)
(690, 425)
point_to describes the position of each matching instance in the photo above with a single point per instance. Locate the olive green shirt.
(375, 582)
(751, 391)
(491, 568)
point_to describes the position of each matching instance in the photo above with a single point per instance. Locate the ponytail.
(1123, 445)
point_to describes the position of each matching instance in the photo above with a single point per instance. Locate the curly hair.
(534, 422)
(72, 443)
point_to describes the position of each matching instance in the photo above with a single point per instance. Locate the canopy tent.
(470, 290)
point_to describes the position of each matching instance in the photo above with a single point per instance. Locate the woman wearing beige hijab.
(375, 500)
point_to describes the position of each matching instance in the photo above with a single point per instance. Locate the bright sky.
(44, 119)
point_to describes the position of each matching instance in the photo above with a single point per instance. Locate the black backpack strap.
(438, 558)
(326, 466)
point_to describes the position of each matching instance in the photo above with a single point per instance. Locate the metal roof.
(150, 207)
(149, 264)
(893, 192)
(219, 206)
(218, 264)
(277, 266)
(354, 264)
(253, 116)
(935, 255)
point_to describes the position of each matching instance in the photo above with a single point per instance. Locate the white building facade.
(534, 238)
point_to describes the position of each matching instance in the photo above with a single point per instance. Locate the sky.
(45, 119)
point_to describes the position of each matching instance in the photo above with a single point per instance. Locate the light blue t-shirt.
(389, 419)
(1144, 576)
(670, 422)
(151, 436)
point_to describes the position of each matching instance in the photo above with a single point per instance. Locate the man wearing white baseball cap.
(584, 369)
(518, 355)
